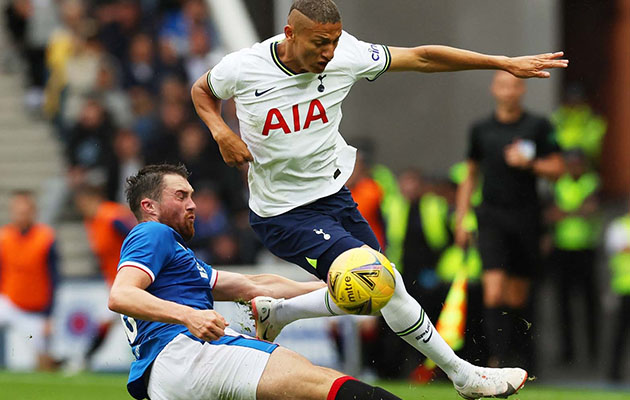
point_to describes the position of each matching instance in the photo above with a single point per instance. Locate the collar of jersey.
(278, 62)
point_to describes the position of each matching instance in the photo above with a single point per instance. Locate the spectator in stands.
(83, 67)
(144, 115)
(62, 45)
(28, 275)
(424, 235)
(107, 224)
(178, 24)
(573, 216)
(89, 148)
(118, 22)
(366, 192)
(172, 88)
(163, 146)
(115, 99)
(216, 239)
(31, 24)
(417, 231)
(126, 161)
(211, 219)
(225, 250)
(194, 151)
(618, 249)
(16, 14)
(201, 54)
(169, 62)
(140, 69)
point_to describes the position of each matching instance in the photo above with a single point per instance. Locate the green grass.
(532, 391)
(54, 386)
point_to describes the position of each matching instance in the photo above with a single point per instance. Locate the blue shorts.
(313, 235)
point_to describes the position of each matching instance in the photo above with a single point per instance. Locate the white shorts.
(191, 370)
(30, 325)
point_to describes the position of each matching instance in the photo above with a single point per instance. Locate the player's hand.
(535, 66)
(206, 324)
(233, 150)
(514, 156)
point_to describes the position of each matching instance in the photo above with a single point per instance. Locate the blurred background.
(90, 91)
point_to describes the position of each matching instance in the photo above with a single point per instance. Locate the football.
(361, 281)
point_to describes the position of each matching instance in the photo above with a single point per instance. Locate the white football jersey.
(290, 121)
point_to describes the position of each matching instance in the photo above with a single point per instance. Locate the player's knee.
(295, 376)
(347, 388)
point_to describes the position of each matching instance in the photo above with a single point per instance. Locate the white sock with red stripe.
(403, 315)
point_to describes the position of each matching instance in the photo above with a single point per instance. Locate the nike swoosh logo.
(257, 93)
(263, 319)
(510, 391)
(429, 338)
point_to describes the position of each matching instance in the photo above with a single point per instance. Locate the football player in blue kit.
(288, 92)
(183, 348)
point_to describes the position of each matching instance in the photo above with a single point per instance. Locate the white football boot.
(267, 328)
(492, 382)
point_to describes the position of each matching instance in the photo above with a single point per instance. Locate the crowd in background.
(113, 78)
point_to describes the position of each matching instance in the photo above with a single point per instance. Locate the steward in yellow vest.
(618, 247)
(577, 127)
(572, 261)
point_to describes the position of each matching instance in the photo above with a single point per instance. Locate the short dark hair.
(22, 193)
(322, 11)
(91, 190)
(148, 182)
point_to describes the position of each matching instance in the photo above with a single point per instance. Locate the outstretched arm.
(129, 297)
(233, 150)
(232, 286)
(434, 58)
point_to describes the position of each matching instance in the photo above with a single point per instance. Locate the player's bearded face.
(177, 209)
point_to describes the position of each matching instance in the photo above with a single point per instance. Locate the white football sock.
(310, 305)
(403, 315)
(408, 320)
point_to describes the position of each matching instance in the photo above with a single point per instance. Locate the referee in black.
(508, 151)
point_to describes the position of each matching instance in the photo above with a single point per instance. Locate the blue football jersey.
(177, 276)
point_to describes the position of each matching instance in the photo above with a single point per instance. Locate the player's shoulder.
(484, 123)
(150, 231)
(536, 122)
(535, 118)
(4, 231)
(46, 230)
(347, 42)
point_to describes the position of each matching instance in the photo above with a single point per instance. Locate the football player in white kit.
(288, 92)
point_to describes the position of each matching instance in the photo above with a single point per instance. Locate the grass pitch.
(56, 386)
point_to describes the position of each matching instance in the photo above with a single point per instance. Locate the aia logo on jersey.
(275, 119)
